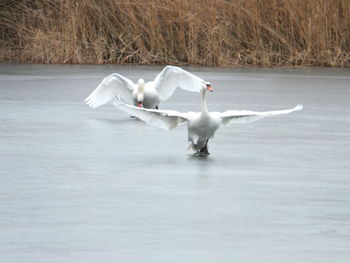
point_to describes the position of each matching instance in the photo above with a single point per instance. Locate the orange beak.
(209, 88)
(139, 105)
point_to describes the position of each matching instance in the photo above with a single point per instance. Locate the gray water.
(84, 185)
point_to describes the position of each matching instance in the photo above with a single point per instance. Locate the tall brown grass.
(205, 32)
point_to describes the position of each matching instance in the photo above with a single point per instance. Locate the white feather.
(201, 125)
(243, 116)
(114, 85)
(173, 77)
(165, 119)
(149, 93)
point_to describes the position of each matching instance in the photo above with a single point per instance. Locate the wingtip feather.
(299, 107)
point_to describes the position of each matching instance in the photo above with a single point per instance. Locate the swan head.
(207, 86)
(139, 99)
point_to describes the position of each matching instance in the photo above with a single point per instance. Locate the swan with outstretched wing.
(146, 95)
(201, 125)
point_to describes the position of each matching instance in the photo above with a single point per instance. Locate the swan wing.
(114, 85)
(165, 119)
(243, 116)
(173, 77)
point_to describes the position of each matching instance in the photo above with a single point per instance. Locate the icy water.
(84, 185)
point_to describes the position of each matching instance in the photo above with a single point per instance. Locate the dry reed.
(204, 32)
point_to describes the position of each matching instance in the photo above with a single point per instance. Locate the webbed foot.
(203, 151)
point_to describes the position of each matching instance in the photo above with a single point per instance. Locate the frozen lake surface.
(83, 185)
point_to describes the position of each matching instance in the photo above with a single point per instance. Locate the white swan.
(201, 125)
(143, 94)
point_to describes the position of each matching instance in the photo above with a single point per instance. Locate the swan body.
(141, 94)
(145, 95)
(201, 125)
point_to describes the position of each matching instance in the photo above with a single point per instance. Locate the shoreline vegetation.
(197, 32)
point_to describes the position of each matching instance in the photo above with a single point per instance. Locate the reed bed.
(200, 32)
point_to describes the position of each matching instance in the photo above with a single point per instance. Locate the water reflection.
(124, 173)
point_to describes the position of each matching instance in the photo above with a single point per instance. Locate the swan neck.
(140, 86)
(204, 108)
